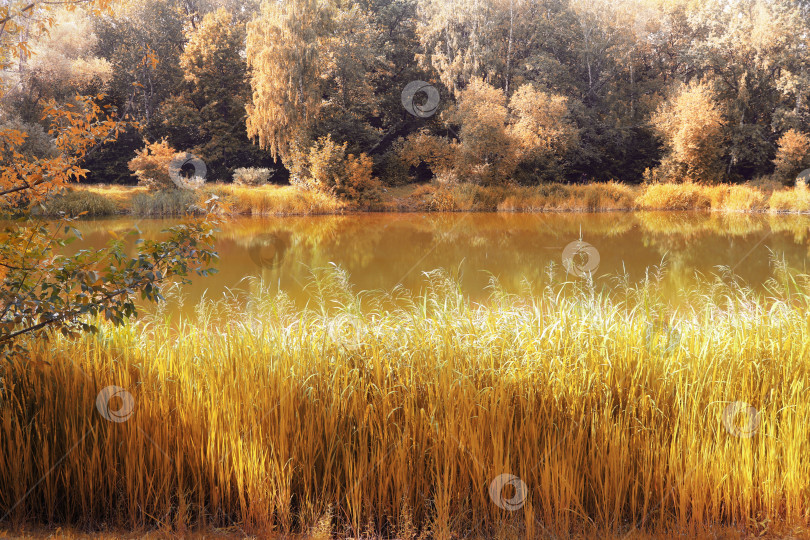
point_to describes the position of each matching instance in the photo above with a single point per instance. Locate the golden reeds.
(605, 197)
(385, 414)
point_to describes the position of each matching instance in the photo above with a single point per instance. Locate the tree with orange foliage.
(486, 152)
(691, 125)
(437, 152)
(151, 165)
(542, 131)
(330, 170)
(792, 155)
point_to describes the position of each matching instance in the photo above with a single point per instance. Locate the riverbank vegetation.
(270, 199)
(391, 414)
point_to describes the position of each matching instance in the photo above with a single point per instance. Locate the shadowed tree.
(207, 116)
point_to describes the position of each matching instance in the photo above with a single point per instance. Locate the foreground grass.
(727, 533)
(390, 415)
(287, 200)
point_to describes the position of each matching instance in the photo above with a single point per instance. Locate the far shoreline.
(104, 200)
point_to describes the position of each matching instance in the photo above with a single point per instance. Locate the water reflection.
(268, 250)
(380, 251)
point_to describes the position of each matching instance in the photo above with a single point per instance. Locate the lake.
(381, 251)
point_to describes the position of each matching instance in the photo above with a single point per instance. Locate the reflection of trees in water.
(706, 242)
(513, 246)
(268, 250)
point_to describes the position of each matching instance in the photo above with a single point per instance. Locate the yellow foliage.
(791, 200)
(686, 196)
(541, 126)
(691, 125)
(326, 162)
(740, 199)
(487, 152)
(358, 183)
(792, 155)
(436, 152)
(284, 47)
(348, 177)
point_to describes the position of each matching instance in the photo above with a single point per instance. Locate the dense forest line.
(344, 94)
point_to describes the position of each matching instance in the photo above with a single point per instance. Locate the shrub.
(436, 152)
(326, 164)
(347, 177)
(73, 203)
(434, 197)
(151, 165)
(742, 199)
(250, 176)
(792, 156)
(394, 171)
(37, 143)
(358, 184)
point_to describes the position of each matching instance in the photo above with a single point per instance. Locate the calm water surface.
(381, 251)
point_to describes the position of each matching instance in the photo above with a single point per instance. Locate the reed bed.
(269, 200)
(276, 200)
(78, 203)
(391, 414)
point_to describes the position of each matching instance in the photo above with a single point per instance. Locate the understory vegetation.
(392, 414)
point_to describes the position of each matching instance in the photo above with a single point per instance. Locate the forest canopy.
(528, 91)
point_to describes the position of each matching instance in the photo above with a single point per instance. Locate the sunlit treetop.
(20, 20)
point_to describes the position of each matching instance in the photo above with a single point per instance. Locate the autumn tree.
(54, 66)
(151, 165)
(792, 155)
(353, 62)
(317, 67)
(437, 152)
(487, 152)
(207, 115)
(456, 40)
(59, 64)
(691, 125)
(542, 130)
(284, 54)
(755, 55)
(338, 67)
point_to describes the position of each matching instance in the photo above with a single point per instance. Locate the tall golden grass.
(276, 200)
(390, 415)
(612, 196)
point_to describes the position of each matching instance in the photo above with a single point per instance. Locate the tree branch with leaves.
(43, 290)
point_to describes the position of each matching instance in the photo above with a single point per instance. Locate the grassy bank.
(287, 200)
(392, 416)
